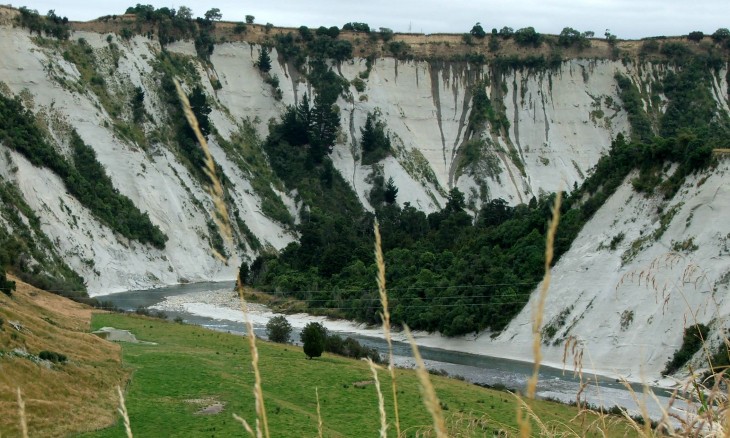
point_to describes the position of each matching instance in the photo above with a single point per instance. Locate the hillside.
(63, 397)
(103, 189)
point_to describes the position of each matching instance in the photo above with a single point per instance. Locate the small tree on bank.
(314, 338)
(6, 286)
(278, 329)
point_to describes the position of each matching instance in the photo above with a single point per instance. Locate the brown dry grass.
(73, 397)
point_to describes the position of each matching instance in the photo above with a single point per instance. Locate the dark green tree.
(323, 125)
(478, 31)
(213, 14)
(695, 36)
(201, 109)
(506, 32)
(314, 338)
(138, 105)
(455, 201)
(249, 19)
(6, 286)
(391, 191)
(720, 35)
(278, 329)
(374, 142)
(264, 61)
(527, 36)
(243, 273)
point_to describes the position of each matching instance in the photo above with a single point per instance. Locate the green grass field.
(191, 368)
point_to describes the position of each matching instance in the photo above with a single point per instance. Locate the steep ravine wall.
(623, 302)
(627, 304)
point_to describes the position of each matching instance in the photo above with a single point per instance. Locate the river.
(215, 306)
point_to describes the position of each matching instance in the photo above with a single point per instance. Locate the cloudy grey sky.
(625, 18)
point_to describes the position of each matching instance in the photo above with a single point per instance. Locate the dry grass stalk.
(244, 423)
(539, 308)
(21, 414)
(429, 395)
(381, 401)
(537, 312)
(216, 191)
(386, 321)
(319, 415)
(261, 420)
(123, 412)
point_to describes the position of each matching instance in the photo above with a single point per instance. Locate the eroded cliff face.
(624, 290)
(560, 121)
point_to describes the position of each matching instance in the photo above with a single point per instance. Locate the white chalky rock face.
(626, 303)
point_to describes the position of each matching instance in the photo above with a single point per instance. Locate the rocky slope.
(623, 287)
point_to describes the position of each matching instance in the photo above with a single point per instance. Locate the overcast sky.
(625, 18)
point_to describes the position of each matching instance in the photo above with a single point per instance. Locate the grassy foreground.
(60, 398)
(191, 368)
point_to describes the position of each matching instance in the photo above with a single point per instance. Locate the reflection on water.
(478, 369)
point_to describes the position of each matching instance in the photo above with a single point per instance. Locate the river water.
(215, 306)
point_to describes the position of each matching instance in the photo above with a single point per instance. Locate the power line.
(395, 289)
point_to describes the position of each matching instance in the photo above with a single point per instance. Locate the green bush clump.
(52, 356)
(278, 329)
(52, 25)
(694, 337)
(350, 347)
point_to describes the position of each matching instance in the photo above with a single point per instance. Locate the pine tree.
(391, 191)
(264, 62)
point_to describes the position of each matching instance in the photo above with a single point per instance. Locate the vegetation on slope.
(28, 252)
(85, 178)
(448, 271)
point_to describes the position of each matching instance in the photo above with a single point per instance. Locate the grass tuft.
(381, 401)
(21, 415)
(123, 412)
(261, 420)
(386, 321)
(430, 400)
(319, 415)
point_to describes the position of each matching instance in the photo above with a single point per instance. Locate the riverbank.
(224, 304)
(190, 369)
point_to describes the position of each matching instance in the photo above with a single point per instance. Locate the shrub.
(6, 286)
(695, 36)
(278, 329)
(314, 337)
(52, 356)
(350, 347)
(359, 84)
(239, 28)
(692, 341)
